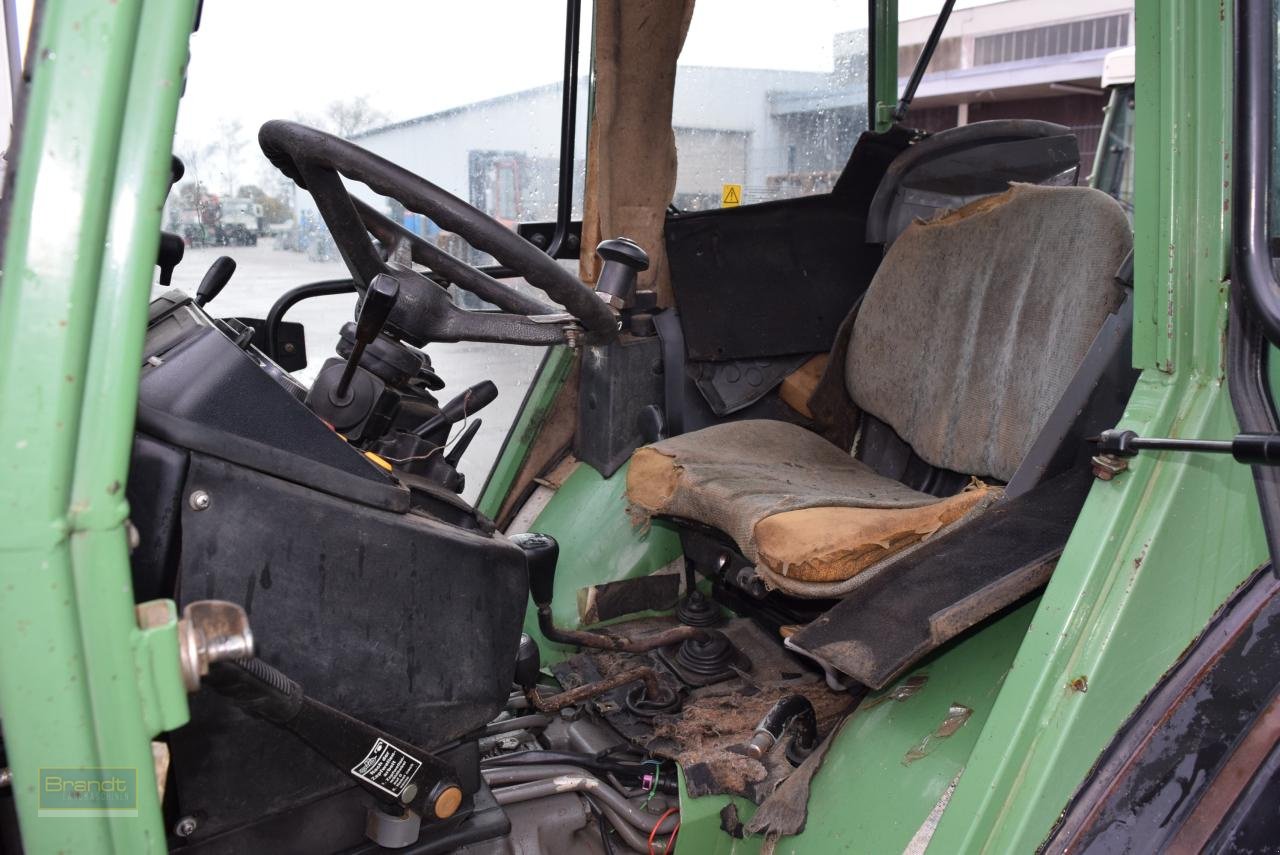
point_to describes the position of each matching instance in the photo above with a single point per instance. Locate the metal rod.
(287, 300)
(922, 63)
(568, 125)
(642, 673)
(1212, 446)
(13, 51)
(600, 641)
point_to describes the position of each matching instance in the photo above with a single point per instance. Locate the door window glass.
(770, 102)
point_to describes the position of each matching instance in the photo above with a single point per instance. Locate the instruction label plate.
(387, 768)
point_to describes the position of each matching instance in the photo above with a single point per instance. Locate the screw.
(508, 743)
(199, 501)
(1108, 466)
(289, 347)
(186, 826)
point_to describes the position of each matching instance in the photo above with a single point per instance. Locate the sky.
(254, 60)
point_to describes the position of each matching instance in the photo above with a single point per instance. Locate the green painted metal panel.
(533, 412)
(893, 761)
(598, 543)
(1157, 550)
(80, 684)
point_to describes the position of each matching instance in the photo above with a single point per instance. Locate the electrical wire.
(658, 824)
(600, 823)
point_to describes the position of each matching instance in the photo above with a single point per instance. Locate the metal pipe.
(287, 300)
(580, 782)
(568, 126)
(652, 688)
(917, 73)
(13, 51)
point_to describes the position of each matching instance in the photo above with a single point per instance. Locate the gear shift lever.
(623, 261)
(541, 555)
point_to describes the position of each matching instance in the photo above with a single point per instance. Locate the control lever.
(471, 401)
(460, 447)
(172, 248)
(541, 554)
(379, 300)
(399, 774)
(623, 261)
(215, 279)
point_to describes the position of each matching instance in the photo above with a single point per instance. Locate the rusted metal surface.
(652, 689)
(621, 644)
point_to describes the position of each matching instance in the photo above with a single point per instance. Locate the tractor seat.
(963, 344)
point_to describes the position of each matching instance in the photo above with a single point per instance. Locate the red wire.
(654, 832)
(671, 841)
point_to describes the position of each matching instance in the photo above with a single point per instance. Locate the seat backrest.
(976, 322)
(959, 165)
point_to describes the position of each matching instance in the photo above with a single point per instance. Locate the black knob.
(623, 260)
(528, 663)
(215, 279)
(541, 552)
(379, 300)
(171, 250)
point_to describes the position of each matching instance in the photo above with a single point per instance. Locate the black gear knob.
(623, 260)
(541, 552)
(528, 663)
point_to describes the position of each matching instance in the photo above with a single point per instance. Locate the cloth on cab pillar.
(631, 149)
(977, 320)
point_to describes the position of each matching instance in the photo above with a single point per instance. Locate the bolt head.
(186, 826)
(199, 500)
(1107, 466)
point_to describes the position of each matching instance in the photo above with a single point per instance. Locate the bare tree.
(225, 151)
(347, 118)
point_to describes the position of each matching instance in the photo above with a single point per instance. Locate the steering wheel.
(424, 312)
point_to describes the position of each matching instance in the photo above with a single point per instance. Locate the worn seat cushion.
(790, 500)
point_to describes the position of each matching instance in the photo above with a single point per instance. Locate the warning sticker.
(387, 768)
(731, 196)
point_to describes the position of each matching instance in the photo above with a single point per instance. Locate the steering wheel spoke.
(317, 162)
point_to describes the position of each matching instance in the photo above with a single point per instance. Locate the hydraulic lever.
(470, 402)
(400, 775)
(379, 300)
(1261, 449)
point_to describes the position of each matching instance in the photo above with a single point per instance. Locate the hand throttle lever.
(215, 279)
(379, 300)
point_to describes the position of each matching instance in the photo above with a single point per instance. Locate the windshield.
(477, 114)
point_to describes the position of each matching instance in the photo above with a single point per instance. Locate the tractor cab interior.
(859, 415)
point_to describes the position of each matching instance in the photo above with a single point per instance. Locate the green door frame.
(81, 685)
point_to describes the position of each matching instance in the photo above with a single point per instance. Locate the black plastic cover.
(404, 622)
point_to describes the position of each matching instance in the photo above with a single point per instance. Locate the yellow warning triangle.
(732, 195)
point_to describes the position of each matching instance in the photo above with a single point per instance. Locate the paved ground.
(263, 274)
